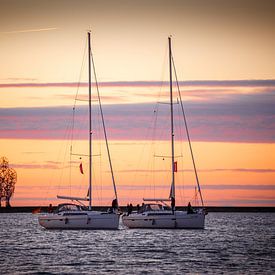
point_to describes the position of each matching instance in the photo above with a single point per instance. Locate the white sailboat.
(155, 213)
(77, 216)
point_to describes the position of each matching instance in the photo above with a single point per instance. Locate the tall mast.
(90, 123)
(172, 195)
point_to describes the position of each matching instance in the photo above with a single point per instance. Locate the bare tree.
(1, 189)
(8, 178)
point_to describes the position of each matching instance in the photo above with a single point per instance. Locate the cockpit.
(68, 207)
(153, 207)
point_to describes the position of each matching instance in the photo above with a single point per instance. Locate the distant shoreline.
(232, 209)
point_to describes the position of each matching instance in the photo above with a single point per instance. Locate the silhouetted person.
(50, 208)
(114, 205)
(142, 208)
(138, 208)
(129, 209)
(173, 204)
(189, 209)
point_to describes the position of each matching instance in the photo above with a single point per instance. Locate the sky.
(225, 63)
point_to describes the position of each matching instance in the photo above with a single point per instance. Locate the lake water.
(231, 243)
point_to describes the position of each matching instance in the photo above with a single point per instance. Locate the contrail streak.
(31, 30)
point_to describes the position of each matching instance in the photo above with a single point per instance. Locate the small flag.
(175, 166)
(81, 168)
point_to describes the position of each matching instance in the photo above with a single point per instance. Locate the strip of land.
(253, 209)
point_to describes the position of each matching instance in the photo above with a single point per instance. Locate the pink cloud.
(195, 83)
(236, 117)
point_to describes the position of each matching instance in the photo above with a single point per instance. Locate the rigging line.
(155, 121)
(81, 70)
(104, 129)
(81, 100)
(100, 152)
(78, 84)
(157, 104)
(53, 173)
(151, 164)
(181, 175)
(67, 138)
(181, 138)
(167, 156)
(148, 133)
(187, 132)
(160, 93)
(71, 147)
(84, 155)
(153, 143)
(73, 116)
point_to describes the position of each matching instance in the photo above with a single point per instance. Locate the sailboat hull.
(85, 220)
(165, 219)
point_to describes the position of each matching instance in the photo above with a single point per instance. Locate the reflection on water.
(231, 242)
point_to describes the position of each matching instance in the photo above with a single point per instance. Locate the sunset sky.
(225, 59)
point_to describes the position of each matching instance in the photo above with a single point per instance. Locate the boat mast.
(172, 194)
(90, 123)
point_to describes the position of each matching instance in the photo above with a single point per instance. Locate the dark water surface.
(231, 243)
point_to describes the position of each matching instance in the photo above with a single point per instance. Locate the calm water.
(231, 243)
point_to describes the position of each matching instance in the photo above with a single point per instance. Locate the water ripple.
(242, 243)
